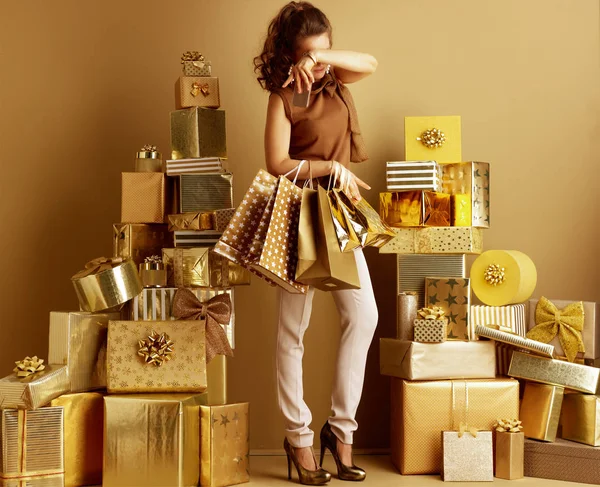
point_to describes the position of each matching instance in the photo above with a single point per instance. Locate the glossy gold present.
(135, 365)
(540, 410)
(580, 418)
(224, 446)
(198, 132)
(509, 455)
(197, 91)
(415, 209)
(216, 379)
(148, 159)
(469, 185)
(467, 457)
(138, 240)
(152, 440)
(453, 295)
(143, 197)
(35, 390)
(202, 220)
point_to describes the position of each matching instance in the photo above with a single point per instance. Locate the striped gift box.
(512, 317)
(196, 238)
(205, 192)
(411, 175)
(176, 167)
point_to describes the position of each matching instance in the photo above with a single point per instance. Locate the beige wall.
(83, 87)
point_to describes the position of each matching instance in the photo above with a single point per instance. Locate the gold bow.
(153, 259)
(494, 274)
(464, 428)
(29, 366)
(156, 349)
(198, 88)
(567, 323)
(508, 426)
(188, 56)
(98, 265)
(148, 148)
(434, 313)
(432, 138)
(217, 310)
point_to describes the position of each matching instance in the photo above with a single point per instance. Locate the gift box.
(216, 379)
(148, 159)
(197, 91)
(157, 304)
(35, 390)
(501, 277)
(56, 480)
(510, 317)
(198, 133)
(83, 431)
(224, 448)
(469, 185)
(467, 457)
(406, 313)
(143, 197)
(196, 238)
(504, 355)
(194, 64)
(453, 295)
(432, 138)
(516, 341)
(562, 460)
(413, 175)
(580, 418)
(153, 272)
(586, 315)
(435, 240)
(415, 209)
(106, 283)
(152, 440)
(78, 340)
(413, 269)
(540, 410)
(420, 411)
(203, 220)
(138, 241)
(177, 167)
(205, 192)
(509, 455)
(32, 444)
(437, 361)
(554, 372)
(431, 331)
(156, 356)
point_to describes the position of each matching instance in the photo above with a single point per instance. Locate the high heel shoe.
(307, 477)
(345, 472)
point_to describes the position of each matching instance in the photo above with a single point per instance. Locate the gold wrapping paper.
(509, 455)
(437, 361)
(437, 209)
(138, 241)
(205, 192)
(83, 431)
(540, 410)
(378, 232)
(148, 160)
(152, 440)
(580, 418)
(406, 312)
(143, 197)
(431, 331)
(413, 175)
(469, 185)
(36, 390)
(537, 348)
(467, 458)
(153, 274)
(224, 445)
(108, 288)
(216, 379)
(32, 443)
(453, 295)
(185, 372)
(511, 317)
(554, 372)
(198, 132)
(203, 220)
(461, 215)
(415, 150)
(435, 240)
(197, 91)
(415, 209)
(78, 340)
(421, 410)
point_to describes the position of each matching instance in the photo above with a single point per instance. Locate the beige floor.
(270, 471)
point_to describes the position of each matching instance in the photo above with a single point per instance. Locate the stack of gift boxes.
(458, 367)
(134, 389)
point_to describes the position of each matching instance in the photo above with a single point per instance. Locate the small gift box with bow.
(469, 185)
(194, 64)
(197, 92)
(433, 139)
(148, 159)
(415, 209)
(153, 272)
(197, 133)
(431, 325)
(510, 444)
(453, 295)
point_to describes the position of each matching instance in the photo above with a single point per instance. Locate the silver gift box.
(175, 167)
(413, 175)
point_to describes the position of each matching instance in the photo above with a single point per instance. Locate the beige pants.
(358, 313)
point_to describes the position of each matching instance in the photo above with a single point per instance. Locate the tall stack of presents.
(133, 390)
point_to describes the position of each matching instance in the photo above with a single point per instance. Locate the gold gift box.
(420, 411)
(152, 440)
(511, 317)
(83, 431)
(32, 444)
(540, 410)
(143, 197)
(157, 304)
(435, 240)
(128, 372)
(453, 295)
(509, 455)
(437, 361)
(431, 331)
(467, 458)
(197, 68)
(469, 185)
(205, 192)
(449, 151)
(148, 161)
(153, 274)
(78, 340)
(36, 390)
(203, 220)
(138, 241)
(198, 132)
(197, 91)
(554, 372)
(224, 448)
(216, 379)
(580, 418)
(415, 209)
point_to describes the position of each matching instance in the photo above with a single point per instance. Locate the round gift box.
(109, 288)
(153, 274)
(148, 161)
(520, 277)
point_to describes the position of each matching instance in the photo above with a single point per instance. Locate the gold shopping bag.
(307, 238)
(345, 229)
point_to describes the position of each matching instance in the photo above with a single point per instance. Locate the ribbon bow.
(156, 348)
(153, 259)
(29, 366)
(508, 426)
(217, 310)
(432, 138)
(567, 323)
(198, 88)
(464, 428)
(148, 148)
(434, 313)
(188, 56)
(98, 265)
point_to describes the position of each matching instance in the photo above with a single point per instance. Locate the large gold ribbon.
(98, 265)
(567, 323)
(217, 311)
(29, 366)
(508, 426)
(198, 88)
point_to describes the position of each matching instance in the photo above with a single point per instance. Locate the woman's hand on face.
(301, 74)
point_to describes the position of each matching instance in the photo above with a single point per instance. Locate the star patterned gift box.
(469, 185)
(453, 295)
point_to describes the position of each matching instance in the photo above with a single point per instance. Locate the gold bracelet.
(310, 55)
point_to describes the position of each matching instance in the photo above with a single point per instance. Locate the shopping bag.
(346, 235)
(307, 231)
(357, 230)
(378, 232)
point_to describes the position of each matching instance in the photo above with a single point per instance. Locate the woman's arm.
(349, 66)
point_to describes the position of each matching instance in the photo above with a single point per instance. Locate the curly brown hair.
(295, 21)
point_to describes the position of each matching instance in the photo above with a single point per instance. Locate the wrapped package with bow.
(197, 91)
(83, 432)
(510, 444)
(510, 318)
(412, 175)
(78, 340)
(431, 325)
(540, 410)
(468, 183)
(415, 209)
(573, 327)
(453, 295)
(148, 159)
(421, 410)
(32, 446)
(224, 445)
(197, 133)
(194, 64)
(153, 272)
(152, 440)
(433, 138)
(106, 283)
(435, 240)
(580, 418)
(138, 241)
(144, 197)
(199, 165)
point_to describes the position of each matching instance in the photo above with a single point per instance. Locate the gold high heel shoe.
(345, 472)
(307, 477)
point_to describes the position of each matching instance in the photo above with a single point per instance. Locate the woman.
(297, 56)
